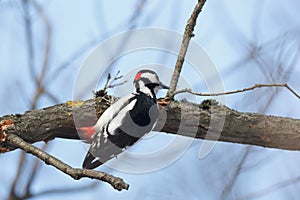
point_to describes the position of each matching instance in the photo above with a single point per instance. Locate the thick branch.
(77, 174)
(239, 127)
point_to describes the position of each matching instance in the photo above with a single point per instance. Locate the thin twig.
(117, 84)
(12, 194)
(109, 84)
(40, 88)
(107, 81)
(31, 56)
(229, 186)
(75, 173)
(33, 173)
(188, 34)
(239, 91)
(272, 188)
(64, 191)
(29, 40)
(131, 22)
(137, 12)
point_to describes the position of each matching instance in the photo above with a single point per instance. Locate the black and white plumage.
(126, 121)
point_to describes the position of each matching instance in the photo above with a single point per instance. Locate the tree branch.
(16, 141)
(272, 188)
(188, 34)
(33, 171)
(228, 187)
(64, 191)
(239, 127)
(238, 91)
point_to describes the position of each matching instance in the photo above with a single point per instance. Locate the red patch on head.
(138, 76)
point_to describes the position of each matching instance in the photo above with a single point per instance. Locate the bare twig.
(137, 12)
(36, 166)
(37, 80)
(109, 84)
(229, 186)
(28, 34)
(131, 22)
(107, 81)
(33, 172)
(271, 188)
(239, 91)
(188, 34)
(40, 88)
(62, 190)
(75, 173)
(12, 194)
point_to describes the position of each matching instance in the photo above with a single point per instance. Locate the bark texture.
(184, 118)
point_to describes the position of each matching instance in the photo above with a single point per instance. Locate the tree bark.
(184, 118)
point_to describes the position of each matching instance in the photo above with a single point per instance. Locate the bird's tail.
(90, 162)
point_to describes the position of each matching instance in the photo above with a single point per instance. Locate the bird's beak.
(163, 86)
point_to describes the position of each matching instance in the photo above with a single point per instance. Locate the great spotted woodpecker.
(125, 121)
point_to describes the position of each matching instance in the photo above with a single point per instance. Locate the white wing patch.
(111, 112)
(117, 121)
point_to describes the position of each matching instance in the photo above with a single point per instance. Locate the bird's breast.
(145, 111)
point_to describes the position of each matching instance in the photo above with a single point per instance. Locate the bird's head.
(147, 81)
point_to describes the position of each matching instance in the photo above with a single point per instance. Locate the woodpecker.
(125, 121)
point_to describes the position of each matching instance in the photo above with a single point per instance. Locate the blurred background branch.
(249, 41)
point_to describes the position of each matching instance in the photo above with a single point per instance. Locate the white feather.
(145, 89)
(117, 121)
(112, 112)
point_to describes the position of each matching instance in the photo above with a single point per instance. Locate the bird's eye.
(151, 86)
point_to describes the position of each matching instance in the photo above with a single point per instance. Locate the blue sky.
(226, 30)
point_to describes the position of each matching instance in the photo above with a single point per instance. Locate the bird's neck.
(147, 91)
